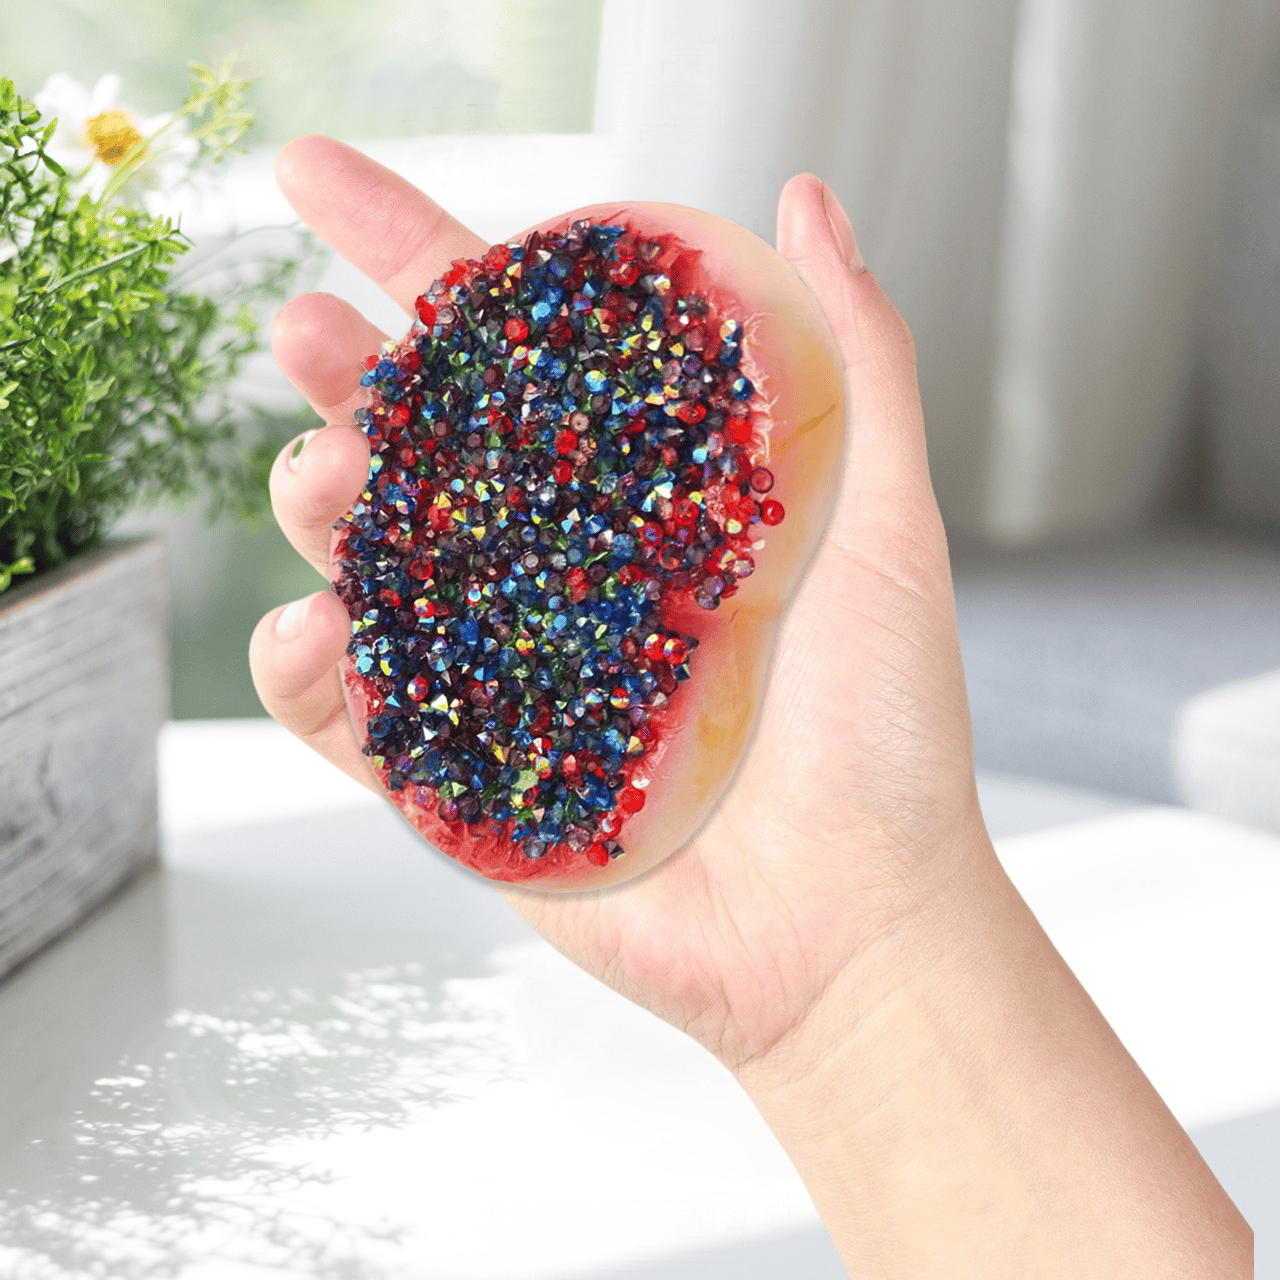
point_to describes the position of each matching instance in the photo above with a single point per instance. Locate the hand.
(839, 932)
(844, 810)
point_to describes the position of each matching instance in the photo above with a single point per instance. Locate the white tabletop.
(311, 1047)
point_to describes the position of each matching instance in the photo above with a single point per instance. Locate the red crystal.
(675, 651)
(772, 511)
(426, 312)
(631, 799)
(516, 329)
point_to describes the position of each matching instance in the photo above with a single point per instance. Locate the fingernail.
(289, 623)
(298, 445)
(842, 229)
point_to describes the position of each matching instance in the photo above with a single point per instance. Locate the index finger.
(381, 223)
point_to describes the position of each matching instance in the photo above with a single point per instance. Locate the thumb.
(886, 483)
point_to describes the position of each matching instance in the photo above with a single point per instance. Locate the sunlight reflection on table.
(312, 1047)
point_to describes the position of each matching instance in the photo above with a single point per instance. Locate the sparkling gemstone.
(631, 799)
(536, 495)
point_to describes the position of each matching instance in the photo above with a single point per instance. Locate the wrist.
(911, 939)
(858, 1040)
(958, 1106)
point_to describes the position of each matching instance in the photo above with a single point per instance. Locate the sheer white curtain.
(1120, 115)
(1034, 181)
(1240, 392)
(901, 105)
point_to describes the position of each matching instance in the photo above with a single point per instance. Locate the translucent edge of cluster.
(562, 446)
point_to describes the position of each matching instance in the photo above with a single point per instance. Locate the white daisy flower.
(96, 132)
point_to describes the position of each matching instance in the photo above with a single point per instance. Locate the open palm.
(841, 816)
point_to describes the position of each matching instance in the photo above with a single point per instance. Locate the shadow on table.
(1244, 1155)
(153, 1063)
(806, 1254)
(74, 1012)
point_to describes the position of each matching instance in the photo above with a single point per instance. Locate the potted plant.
(115, 391)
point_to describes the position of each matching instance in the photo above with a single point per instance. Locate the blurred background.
(1075, 204)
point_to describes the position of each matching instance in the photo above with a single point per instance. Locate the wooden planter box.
(83, 692)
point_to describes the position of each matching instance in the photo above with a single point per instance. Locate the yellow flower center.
(111, 135)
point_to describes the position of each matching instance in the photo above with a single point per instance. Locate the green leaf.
(113, 378)
(7, 571)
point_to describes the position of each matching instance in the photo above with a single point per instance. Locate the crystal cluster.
(564, 445)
